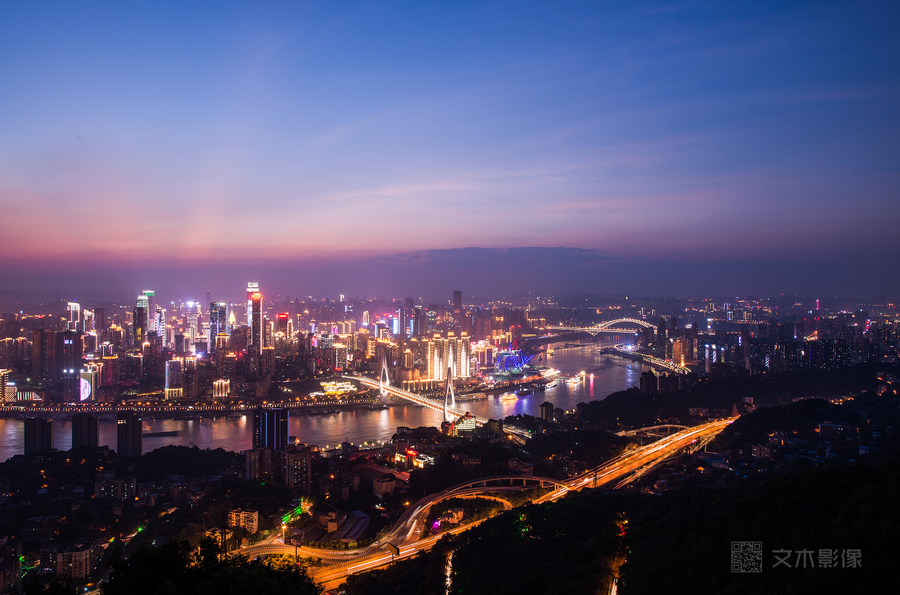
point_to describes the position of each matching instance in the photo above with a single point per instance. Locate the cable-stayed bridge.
(447, 406)
(443, 406)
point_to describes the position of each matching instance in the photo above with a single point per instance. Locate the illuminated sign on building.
(85, 389)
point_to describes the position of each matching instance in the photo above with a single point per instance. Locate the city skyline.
(371, 150)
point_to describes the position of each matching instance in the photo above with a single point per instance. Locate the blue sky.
(296, 136)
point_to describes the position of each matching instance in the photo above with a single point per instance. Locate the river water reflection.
(611, 374)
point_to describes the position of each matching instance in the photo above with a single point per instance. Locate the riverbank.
(188, 412)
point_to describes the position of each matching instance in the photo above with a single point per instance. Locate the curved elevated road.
(405, 535)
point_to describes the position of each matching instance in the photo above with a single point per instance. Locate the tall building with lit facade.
(270, 428)
(218, 322)
(296, 467)
(258, 464)
(141, 321)
(69, 362)
(221, 388)
(256, 321)
(252, 287)
(73, 316)
(151, 310)
(222, 341)
(283, 332)
(192, 324)
(4, 379)
(90, 381)
(128, 434)
(451, 352)
(174, 370)
(226, 367)
(110, 373)
(190, 378)
(134, 366)
(71, 350)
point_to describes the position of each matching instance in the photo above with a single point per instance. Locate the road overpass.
(404, 534)
(629, 352)
(660, 430)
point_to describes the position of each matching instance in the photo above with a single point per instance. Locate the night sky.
(384, 148)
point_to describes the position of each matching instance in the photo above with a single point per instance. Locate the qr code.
(746, 556)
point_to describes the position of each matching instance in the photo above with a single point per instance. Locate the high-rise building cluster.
(273, 455)
(186, 351)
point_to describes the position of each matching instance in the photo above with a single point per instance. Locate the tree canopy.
(172, 569)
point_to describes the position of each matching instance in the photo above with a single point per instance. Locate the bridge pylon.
(384, 380)
(448, 392)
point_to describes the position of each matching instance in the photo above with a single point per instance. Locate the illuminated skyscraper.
(218, 322)
(87, 321)
(402, 323)
(174, 369)
(151, 309)
(111, 371)
(221, 388)
(270, 428)
(158, 325)
(256, 321)
(70, 350)
(281, 323)
(190, 379)
(452, 352)
(90, 381)
(69, 361)
(252, 287)
(296, 468)
(4, 378)
(140, 324)
(192, 324)
(221, 345)
(73, 311)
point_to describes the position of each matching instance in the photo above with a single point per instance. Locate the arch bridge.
(605, 327)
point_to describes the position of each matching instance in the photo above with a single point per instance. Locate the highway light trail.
(403, 534)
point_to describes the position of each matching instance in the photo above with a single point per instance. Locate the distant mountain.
(10, 297)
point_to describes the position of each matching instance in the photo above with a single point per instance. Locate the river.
(611, 374)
